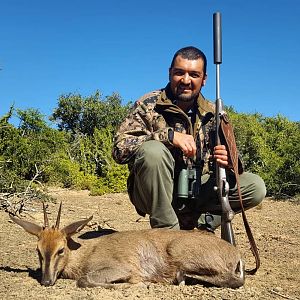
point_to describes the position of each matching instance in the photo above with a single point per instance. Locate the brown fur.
(154, 255)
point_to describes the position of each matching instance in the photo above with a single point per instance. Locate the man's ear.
(204, 80)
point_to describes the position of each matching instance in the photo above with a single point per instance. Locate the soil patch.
(275, 225)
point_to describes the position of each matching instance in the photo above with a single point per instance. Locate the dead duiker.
(153, 255)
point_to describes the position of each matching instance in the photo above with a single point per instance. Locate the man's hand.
(188, 146)
(221, 156)
(185, 142)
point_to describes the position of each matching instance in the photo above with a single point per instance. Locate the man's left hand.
(221, 156)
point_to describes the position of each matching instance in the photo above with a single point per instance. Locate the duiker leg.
(106, 277)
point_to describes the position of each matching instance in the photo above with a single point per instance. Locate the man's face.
(186, 78)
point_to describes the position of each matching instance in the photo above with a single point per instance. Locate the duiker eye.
(61, 251)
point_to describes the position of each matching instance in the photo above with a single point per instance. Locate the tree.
(83, 114)
(28, 149)
(31, 120)
(91, 122)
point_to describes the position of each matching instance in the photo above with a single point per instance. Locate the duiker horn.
(46, 222)
(58, 216)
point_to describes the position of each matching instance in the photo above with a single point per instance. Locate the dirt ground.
(275, 226)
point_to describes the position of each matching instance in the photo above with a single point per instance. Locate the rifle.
(189, 180)
(222, 186)
(224, 130)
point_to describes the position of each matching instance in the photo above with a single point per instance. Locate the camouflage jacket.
(153, 115)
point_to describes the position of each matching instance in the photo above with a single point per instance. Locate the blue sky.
(50, 48)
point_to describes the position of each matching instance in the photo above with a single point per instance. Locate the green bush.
(270, 148)
(78, 154)
(67, 173)
(115, 181)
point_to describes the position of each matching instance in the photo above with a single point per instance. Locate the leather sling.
(228, 135)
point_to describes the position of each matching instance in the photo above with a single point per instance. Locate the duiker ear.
(28, 226)
(75, 227)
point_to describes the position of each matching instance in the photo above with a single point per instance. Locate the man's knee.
(259, 191)
(255, 190)
(153, 153)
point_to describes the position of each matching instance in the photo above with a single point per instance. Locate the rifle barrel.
(217, 38)
(222, 186)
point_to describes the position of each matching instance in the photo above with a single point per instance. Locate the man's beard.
(186, 98)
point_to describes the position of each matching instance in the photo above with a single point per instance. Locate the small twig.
(283, 296)
(104, 223)
(34, 179)
(140, 219)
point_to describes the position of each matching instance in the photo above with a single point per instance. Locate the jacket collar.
(168, 102)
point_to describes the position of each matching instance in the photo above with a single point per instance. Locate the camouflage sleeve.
(141, 125)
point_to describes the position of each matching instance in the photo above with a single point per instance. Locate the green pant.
(151, 189)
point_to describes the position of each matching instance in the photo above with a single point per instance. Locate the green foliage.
(114, 181)
(94, 155)
(83, 115)
(284, 137)
(31, 120)
(91, 122)
(28, 149)
(270, 148)
(79, 153)
(67, 157)
(66, 173)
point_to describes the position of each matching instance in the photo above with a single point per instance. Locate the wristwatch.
(171, 135)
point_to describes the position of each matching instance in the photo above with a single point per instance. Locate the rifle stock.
(222, 186)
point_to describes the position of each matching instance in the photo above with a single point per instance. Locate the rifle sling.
(228, 135)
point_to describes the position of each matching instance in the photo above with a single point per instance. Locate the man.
(165, 130)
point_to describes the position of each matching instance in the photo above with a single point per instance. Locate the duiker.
(153, 255)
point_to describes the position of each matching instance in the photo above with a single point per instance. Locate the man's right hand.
(185, 142)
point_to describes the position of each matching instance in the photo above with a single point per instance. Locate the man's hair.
(190, 53)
